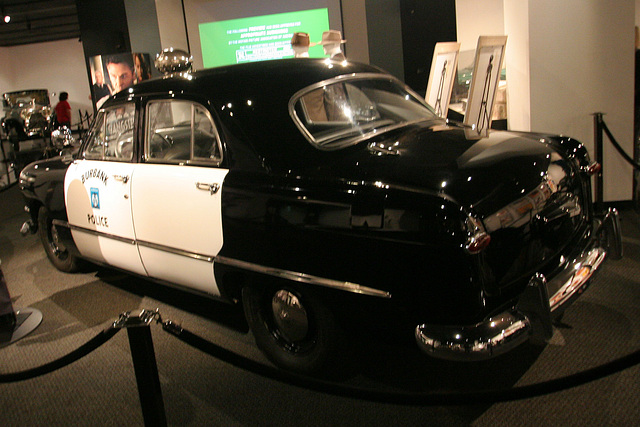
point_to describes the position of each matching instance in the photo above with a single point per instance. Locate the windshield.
(343, 111)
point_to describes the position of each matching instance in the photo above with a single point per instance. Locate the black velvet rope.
(405, 398)
(617, 146)
(78, 353)
(333, 388)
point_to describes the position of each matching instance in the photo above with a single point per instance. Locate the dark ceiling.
(37, 21)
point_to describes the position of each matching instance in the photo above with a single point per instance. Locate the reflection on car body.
(330, 201)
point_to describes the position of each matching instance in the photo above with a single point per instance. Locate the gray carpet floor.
(100, 389)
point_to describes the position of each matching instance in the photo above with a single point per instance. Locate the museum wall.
(6, 72)
(175, 35)
(423, 24)
(517, 62)
(142, 20)
(383, 35)
(355, 30)
(565, 61)
(104, 27)
(474, 18)
(582, 61)
(56, 66)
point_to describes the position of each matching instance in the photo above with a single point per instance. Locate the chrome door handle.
(122, 178)
(211, 188)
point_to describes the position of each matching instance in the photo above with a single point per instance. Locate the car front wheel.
(57, 253)
(295, 331)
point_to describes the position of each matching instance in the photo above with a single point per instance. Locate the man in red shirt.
(63, 110)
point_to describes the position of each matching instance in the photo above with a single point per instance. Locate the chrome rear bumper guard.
(505, 331)
(532, 316)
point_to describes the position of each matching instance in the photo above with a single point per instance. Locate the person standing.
(63, 111)
(100, 88)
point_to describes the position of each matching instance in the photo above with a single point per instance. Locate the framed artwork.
(443, 71)
(112, 73)
(484, 84)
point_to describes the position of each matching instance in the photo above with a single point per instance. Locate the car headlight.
(26, 116)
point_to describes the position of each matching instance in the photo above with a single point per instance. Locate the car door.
(98, 191)
(176, 195)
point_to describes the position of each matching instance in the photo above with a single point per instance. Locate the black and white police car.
(327, 198)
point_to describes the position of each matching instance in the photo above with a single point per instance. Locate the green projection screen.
(260, 38)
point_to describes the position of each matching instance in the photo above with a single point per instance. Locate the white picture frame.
(484, 85)
(443, 70)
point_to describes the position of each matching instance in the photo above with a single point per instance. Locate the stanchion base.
(27, 320)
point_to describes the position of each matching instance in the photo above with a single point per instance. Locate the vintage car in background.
(326, 199)
(27, 115)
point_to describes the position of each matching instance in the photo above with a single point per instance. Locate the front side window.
(343, 111)
(181, 132)
(111, 136)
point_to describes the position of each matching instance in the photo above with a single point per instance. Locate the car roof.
(284, 76)
(251, 100)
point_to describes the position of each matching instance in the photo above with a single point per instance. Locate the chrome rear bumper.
(532, 315)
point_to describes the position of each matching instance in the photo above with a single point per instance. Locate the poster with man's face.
(111, 74)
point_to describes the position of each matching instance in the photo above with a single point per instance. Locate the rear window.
(343, 111)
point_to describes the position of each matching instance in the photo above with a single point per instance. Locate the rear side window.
(111, 136)
(181, 131)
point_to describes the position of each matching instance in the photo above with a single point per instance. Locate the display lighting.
(7, 18)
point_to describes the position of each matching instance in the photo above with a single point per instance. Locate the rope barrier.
(71, 357)
(404, 398)
(333, 388)
(617, 146)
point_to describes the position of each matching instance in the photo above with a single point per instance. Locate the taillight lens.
(478, 238)
(594, 168)
(478, 243)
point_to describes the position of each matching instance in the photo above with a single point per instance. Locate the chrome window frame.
(349, 141)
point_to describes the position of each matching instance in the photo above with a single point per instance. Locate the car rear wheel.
(295, 331)
(57, 253)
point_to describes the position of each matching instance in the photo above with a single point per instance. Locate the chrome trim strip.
(318, 144)
(193, 255)
(93, 232)
(284, 274)
(175, 251)
(304, 278)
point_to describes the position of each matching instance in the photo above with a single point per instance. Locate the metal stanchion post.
(144, 365)
(15, 325)
(598, 148)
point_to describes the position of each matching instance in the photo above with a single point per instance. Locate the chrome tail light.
(478, 238)
(593, 168)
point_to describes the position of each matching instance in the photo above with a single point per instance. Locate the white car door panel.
(178, 222)
(97, 197)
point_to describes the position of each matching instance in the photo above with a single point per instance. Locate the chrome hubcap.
(290, 316)
(58, 248)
